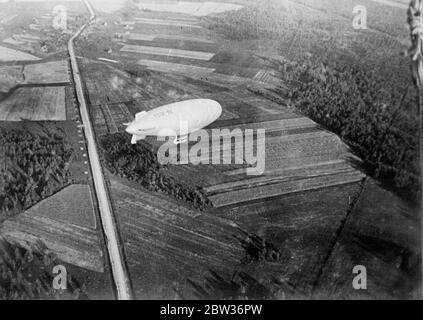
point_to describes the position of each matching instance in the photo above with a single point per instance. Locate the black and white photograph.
(222, 150)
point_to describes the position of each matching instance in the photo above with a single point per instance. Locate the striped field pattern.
(65, 223)
(168, 52)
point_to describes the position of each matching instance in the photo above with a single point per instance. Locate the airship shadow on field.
(174, 120)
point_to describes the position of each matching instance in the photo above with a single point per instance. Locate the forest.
(383, 133)
(28, 275)
(139, 163)
(33, 166)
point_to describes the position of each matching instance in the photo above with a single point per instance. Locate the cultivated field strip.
(168, 42)
(7, 19)
(178, 68)
(72, 205)
(14, 42)
(7, 54)
(107, 92)
(167, 22)
(251, 192)
(99, 119)
(225, 79)
(191, 85)
(115, 116)
(294, 173)
(184, 242)
(38, 103)
(192, 8)
(170, 56)
(282, 125)
(111, 125)
(264, 76)
(53, 72)
(200, 55)
(179, 37)
(73, 244)
(142, 37)
(71, 113)
(65, 223)
(10, 76)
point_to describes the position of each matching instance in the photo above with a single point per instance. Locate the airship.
(176, 120)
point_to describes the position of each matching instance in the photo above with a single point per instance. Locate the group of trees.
(28, 274)
(379, 124)
(139, 163)
(34, 166)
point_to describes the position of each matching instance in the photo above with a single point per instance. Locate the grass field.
(34, 104)
(153, 36)
(48, 72)
(10, 76)
(65, 223)
(168, 52)
(7, 54)
(175, 67)
(53, 72)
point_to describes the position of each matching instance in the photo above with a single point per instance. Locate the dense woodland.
(33, 167)
(384, 133)
(354, 82)
(28, 274)
(139, 163)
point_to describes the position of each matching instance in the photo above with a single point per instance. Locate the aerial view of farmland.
(48, 208)
(297, 177)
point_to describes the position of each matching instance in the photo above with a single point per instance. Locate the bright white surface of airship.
(177, 119)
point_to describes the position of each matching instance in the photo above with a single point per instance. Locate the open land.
(308, 206)
(332, 193)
